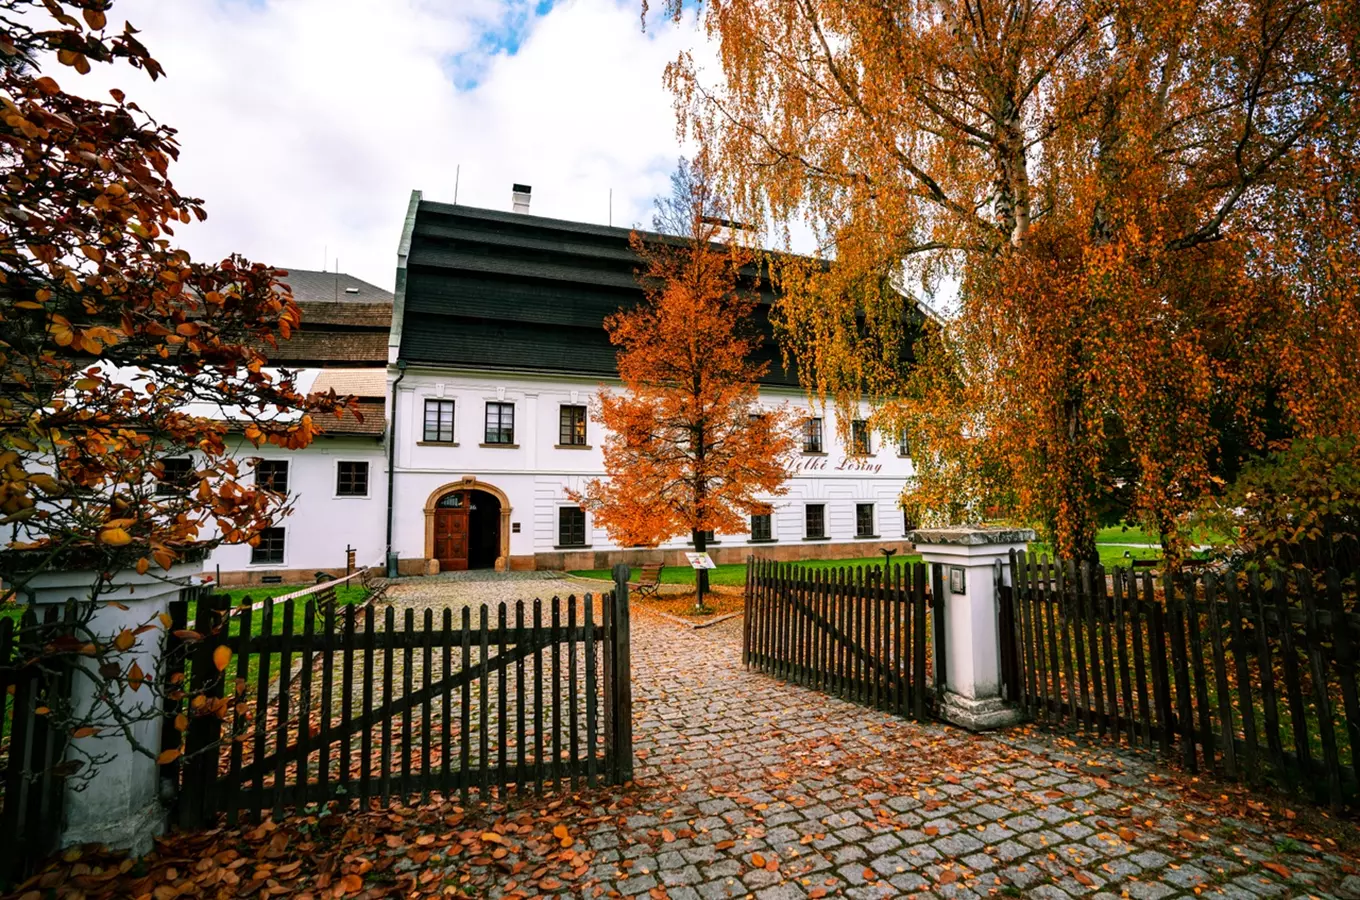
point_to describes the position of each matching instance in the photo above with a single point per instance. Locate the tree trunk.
(1076, 538)
(700, 575)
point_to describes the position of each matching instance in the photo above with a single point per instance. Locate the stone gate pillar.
(972, 640)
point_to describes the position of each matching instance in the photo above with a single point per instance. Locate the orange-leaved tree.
(118, 351)
(1141, 215)
(689, 449)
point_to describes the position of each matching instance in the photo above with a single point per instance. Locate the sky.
(305, 124)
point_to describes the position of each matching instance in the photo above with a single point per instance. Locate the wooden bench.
(376, 585)
(648, 580)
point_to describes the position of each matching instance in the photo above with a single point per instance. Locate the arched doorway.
(484, 530)
(467, 526)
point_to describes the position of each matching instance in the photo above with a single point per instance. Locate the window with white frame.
(571, 526)
(814, 520)
(351, 479)
(864, 520)
(812, 435)
(272, 474)
(859, 438)
(571, 429)
(500, 423)
(177, 476)
(439, 421)
(762, 527)
(269, 549)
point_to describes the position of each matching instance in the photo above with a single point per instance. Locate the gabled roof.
(485, 289)
(310, 286)
(373, 425)
(352, 331)
(369, 384)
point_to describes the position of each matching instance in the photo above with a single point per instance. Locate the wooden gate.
(862, 633)
(355, 705)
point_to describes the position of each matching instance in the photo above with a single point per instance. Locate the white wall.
(535, 474)
(321, 523)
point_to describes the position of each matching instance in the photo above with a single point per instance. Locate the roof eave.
(399, 294)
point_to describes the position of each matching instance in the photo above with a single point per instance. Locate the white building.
(495, 351)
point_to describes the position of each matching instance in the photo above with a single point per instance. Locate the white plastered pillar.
(972, 639)
(121, 805)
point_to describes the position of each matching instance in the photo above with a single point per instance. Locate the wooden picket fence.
(1222, 672)
(30, 751)
(862, 633)
(320, 704)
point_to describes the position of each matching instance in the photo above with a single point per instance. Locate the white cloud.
(305, 124)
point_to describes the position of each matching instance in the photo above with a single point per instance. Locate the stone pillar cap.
(972, 536)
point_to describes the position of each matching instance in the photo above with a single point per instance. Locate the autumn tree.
(1143, 215)
(689, 449)
(117, 350)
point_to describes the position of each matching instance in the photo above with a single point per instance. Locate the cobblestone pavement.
(748, 786)
(459, 589)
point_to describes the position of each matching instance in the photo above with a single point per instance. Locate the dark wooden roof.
(349, 333)
(310, 286)
(373, 425)
(500, 290)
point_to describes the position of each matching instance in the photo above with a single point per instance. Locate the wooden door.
(451, 532)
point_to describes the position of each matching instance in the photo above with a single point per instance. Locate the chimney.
(519, 197)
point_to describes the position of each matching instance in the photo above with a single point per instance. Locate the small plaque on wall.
(514, 528)
(958, 580)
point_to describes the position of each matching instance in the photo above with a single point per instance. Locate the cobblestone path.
(748, 786)
(835, 799)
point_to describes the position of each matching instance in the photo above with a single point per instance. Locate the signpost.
(699, 561)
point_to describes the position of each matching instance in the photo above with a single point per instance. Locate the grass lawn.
(735, 573)
(1125, 534)
(1132, 534)
(1111, 555)
(344, 596)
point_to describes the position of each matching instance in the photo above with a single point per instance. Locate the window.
(351, 479)
(709, 537)
(903, 445)
(439, 421)
(859, 437)
(864, 520)
(760, 527)
(815, 517)
(177, 475)
(571, 526)
(270, 547)
(272, 474)
(571, 430)
(500, 423)
(812, 436)
(908, 526)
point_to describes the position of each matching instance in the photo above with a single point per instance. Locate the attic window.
(351, 290)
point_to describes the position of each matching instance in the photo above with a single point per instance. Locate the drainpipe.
(391, 466)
